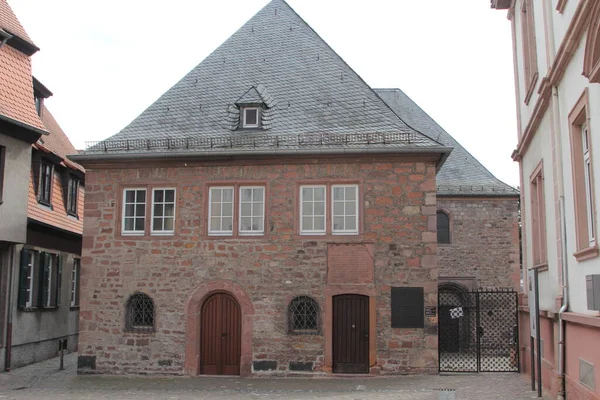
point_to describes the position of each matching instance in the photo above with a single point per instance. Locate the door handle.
(366, 334)
(223, 335)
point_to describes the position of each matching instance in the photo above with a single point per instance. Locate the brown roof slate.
(10, 23)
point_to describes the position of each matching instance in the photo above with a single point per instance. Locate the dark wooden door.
(351, 334)
(220, 336)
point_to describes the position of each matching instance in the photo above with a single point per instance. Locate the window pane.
(258, 224)
(158, 210)
(246, 223)
(338, 208)
(338, 193)
(129, 196)
(215, 224)
(307, 223)
(227, 209)
(158, 196)
(169, 210)
(246, 209)
(129, 224)
(259, 194)
(246, 195)
(350, 223)
(319, 223)
(227, 224)
(158, 224)
(141, 196)
(320, 208)
(170, 196)
(215, 209)
(257, 209)
(215, 195)
(169, 223)
(227, 195)
(140, 210)
(129, 209)
(351, 193)
(338, 223)
(350, 208)
(307, 194)
(319, 193)
(307, 208)
(251, 116)
(139, 224)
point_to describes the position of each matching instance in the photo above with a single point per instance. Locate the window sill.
(530, 88)
(541, 267)
(45, 205)
(74, 308)
(73, 216)
(33, 309)
(586, 254)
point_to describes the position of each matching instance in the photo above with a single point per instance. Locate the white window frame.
(333, 215)
(75, 281)
(242, 232)
(211, 231)
(163, 217)
(124, 216)
(51, 259)
(244, 123)
(587, 170)
(31, 277)
(313, 231)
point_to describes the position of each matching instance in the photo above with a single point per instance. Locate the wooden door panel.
(351, 334)
(220, 337)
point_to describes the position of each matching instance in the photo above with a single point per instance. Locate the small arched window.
(139, 313)
(303, 316)
(443, 228)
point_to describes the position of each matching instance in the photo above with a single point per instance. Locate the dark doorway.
(220, 336)
(350, 334)
(449, 331)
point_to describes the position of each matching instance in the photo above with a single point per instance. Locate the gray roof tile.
(461, 174)
(277, 58)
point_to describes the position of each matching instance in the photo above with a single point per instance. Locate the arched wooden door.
(350, 333)
(220, 335)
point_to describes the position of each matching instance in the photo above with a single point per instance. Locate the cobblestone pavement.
(45, 381)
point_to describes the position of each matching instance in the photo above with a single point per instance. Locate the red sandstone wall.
(484, 241)
(398, 209)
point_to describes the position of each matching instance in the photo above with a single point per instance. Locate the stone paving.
(45, 381)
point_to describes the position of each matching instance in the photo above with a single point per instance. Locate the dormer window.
(250, 117)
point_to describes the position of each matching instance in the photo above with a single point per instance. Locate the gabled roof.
(461, 174)
(57, 141)
(17, 105)
(278, 58)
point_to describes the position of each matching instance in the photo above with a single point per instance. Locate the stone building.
(556, 47)
(270, 213)
(41, 211)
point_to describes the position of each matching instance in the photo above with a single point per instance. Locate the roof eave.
(22, 45)
(84, 159)
(20, 130)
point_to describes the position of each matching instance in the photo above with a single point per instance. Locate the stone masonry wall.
(398, 212)
(484, 240)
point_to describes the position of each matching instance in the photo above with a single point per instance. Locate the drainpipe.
(565, 306)
(4, 37)
(9, 311)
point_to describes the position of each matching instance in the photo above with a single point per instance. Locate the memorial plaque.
(350, 263)
(430, 311)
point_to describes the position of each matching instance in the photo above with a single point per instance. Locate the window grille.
(139, 313)
(303, 316)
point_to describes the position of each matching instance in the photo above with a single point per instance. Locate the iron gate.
(478, 331)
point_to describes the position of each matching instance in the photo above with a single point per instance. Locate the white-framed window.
(163, 211)
(29, 275)
(344, 206)
(250, 117)
(252, 210)
(75, 278)
(220, 210)
(312, 210)
(587, 176)
(134, 211)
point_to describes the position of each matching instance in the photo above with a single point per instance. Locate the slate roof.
(16, 87)
(461, 174)
(305, 88)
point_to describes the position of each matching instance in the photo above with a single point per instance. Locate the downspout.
(564, 307)
(4, 37)
(9, 311)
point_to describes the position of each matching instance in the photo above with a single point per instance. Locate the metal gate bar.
(478, 331)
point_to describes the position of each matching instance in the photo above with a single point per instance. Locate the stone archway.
(192, 335)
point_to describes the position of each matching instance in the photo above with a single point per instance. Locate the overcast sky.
(106, 61)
